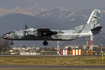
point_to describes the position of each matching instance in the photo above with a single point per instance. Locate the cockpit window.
(9, 32)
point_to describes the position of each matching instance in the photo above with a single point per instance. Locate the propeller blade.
(25, 31)
(26, 27)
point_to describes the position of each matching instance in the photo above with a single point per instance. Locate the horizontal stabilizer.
(96, 30)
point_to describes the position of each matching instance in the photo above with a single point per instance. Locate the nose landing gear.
(11, 43)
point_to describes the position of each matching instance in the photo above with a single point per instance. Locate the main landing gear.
(45, 43)
(11, 43)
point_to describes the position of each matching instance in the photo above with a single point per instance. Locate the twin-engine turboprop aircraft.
(90, 28)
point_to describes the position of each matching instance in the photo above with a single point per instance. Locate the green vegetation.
(51, 60)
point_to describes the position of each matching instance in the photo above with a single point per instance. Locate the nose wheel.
(45, 43)
(11, 43)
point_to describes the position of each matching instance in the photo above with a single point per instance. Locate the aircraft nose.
(4, 36)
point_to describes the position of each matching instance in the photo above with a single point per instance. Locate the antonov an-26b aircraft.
(90, 28)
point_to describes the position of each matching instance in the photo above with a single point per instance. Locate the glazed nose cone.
(4, 36)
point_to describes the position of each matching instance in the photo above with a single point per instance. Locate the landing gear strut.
(11, 43)
(45, 43)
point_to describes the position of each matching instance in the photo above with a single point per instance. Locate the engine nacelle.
(31, 31)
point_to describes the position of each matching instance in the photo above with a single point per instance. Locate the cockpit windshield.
(9, 32)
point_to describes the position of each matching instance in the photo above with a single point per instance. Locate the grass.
(51, 61)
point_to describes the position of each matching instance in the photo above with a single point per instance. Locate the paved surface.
(17, 67)
(54, 69)
(49, 55)
(22, 66)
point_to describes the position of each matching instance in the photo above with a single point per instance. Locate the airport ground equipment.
(58, 48)
(64, 63)
(91, 45)
(76, 52)
(102, 55)
(64, 52)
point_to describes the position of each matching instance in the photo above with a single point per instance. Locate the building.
(85, 47)
(71, 46)
(26, 49)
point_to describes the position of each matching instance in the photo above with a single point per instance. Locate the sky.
(73, 5)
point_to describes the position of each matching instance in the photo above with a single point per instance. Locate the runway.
(21, 67)
(32, 66)
(50, 55)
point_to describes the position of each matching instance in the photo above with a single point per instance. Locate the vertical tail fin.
(92, 26)
(94, 22)
(94, 18)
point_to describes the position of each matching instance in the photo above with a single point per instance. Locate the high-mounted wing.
(46, 32)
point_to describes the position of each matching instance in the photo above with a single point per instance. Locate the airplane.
(92, 27)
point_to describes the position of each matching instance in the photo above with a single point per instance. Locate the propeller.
(26, 27)
(28, 30)
(25, 31)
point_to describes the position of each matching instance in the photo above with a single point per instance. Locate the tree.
(4, 45)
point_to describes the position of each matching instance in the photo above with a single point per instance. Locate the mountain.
(32, 11)
(57, 13)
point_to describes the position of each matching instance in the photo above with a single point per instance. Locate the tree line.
(4, 45)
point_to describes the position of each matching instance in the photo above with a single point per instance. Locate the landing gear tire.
(45, 43)
(11, 43)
